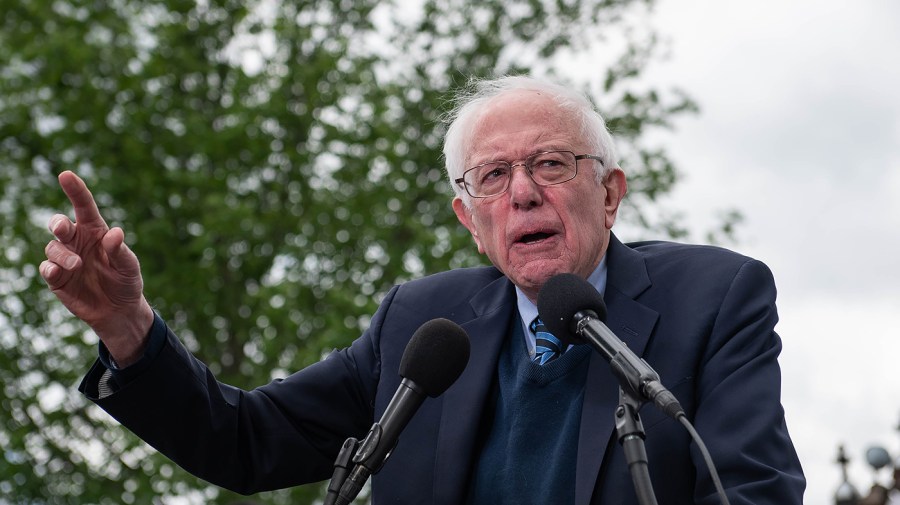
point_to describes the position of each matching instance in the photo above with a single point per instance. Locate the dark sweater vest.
(531, 437)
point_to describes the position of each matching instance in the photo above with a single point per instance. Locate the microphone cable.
(723, 498)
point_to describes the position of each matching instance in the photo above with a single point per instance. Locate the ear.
(616, 187)
(464, 215)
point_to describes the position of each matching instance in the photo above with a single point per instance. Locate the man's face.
(532, 232)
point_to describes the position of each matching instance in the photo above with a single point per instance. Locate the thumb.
(118, 253)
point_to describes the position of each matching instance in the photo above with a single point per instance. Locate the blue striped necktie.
(547, 347)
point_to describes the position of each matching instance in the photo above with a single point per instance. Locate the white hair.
(469, 104)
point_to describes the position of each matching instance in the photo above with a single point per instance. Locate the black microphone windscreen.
(563, 296)
(435, 356)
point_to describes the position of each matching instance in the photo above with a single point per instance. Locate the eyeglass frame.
(462, 180)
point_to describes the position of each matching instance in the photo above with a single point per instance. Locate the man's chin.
(532, 276)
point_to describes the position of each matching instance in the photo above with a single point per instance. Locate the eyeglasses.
(545, 169)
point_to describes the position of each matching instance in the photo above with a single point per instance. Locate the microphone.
(433, 359)
(573, 310)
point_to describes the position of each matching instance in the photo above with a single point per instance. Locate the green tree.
(276, 167)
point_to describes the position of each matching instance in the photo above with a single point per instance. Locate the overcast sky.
(800, 130)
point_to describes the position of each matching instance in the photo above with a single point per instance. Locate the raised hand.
(96, 276)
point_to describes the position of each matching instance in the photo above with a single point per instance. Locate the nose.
(523, 191)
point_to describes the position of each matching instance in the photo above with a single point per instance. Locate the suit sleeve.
(739, 411)
(285, 433)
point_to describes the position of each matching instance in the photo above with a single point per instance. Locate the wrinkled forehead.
(529, 117)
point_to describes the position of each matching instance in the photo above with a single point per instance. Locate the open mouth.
(531, 238)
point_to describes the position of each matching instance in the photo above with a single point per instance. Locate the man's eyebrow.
(553, 147)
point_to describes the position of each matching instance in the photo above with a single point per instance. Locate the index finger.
(86, 211)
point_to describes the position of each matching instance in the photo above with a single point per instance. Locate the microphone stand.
(631, 435)
(341, 470)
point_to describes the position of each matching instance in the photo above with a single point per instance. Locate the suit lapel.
(633, 323)
(464, 401)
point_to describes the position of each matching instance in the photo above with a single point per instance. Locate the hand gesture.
(96, 276)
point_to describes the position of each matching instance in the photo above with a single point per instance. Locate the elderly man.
(538, 187)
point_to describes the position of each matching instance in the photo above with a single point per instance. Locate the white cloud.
(840, 384)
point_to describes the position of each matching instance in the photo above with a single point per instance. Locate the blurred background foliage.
(276, 167)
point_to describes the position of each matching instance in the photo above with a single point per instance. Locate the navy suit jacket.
(703, 317)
